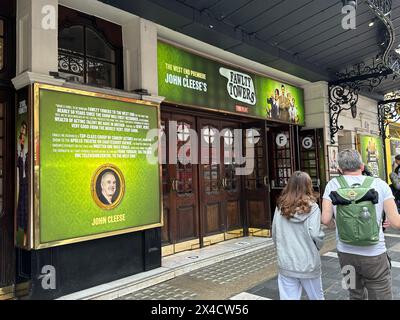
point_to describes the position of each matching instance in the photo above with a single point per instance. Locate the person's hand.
(386, 224)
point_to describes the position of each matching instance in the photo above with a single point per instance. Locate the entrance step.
(173, 266)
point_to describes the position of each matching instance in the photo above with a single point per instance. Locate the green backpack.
(355, 212)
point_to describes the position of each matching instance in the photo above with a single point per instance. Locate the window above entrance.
(89, 49)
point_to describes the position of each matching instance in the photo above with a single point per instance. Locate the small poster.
(371, 150)
(332, 161)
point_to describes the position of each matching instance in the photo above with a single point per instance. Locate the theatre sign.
(91, 177)
(188, 79)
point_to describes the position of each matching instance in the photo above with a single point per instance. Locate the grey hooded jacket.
(298, 241)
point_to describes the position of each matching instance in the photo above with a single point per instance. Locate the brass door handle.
(266, 183)
(173, 185)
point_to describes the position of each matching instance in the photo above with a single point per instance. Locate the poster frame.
(35, 194)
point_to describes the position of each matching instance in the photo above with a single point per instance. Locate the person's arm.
(327, 212)
(274, 229)
(390, 208)
(314, 228)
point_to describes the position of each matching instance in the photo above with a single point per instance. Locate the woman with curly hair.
(297, 234)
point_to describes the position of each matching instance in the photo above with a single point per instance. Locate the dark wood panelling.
(213, 218)
(165, 231)
(255, 219)
(233, 215)
(186, 222)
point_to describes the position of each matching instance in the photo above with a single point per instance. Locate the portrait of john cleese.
(108, 186)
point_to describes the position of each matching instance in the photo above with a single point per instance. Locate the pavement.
(230, 279)
(331, 276)
(238, 269)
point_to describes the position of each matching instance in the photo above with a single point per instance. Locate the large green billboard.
(371, 149)
(91, 169)
(189, 79)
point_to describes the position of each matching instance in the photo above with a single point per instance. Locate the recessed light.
(371, 24)
(211, 26)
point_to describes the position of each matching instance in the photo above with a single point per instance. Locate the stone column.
(140, 55)
(37, 41)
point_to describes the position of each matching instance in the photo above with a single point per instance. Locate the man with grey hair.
(368, 265)
(108, 187)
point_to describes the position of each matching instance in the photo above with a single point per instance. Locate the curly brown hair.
(297, 196)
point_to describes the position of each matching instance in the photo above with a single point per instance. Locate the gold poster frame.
(35, 168)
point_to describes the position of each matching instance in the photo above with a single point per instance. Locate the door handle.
(266, 183)
(173, 185)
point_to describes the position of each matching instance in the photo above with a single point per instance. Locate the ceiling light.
(211, 26)
(350, 3)
(371, 24)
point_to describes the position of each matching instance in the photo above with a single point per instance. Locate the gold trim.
(213, 239)
(36, 221)
(6, 290)
(96, 175)
(256, 232)
(167, 250)
(187, 245)
(7, 297)
(35, 226)
(94, 94)
(22, 286)
(233, 234)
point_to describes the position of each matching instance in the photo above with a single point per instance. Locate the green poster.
(192, 80)
(371, 150)
(94, 174)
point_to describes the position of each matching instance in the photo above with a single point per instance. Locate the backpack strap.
(367, 182)
(342, 182)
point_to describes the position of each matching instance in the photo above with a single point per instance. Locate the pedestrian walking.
(297, 234)
(357, 202)
(395, 178)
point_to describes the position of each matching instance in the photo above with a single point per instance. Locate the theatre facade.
(89, 194)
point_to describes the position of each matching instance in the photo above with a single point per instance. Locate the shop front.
(206, 200)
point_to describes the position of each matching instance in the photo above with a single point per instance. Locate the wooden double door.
(202, 197)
